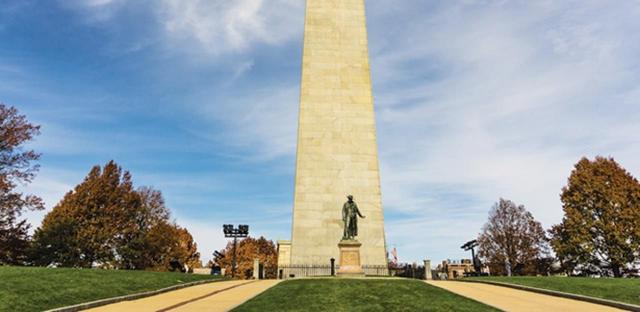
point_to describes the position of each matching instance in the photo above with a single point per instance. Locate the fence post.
(427, 270)
(333, 267)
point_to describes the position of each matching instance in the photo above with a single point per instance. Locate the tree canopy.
(104, 221)
(17, 167)
(247, 251)
(512, 241)
(600, 230)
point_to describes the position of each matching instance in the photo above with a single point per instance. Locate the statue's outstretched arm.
(358, 211)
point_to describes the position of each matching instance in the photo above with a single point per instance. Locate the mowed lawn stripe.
(37, 289)
(359, 295)
(616, 289)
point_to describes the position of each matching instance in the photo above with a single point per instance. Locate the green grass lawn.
(37, 289)
(622, 290)
(359, 295)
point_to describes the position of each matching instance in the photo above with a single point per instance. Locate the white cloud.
(203, 28)
(475, 100)
(263, 121)
(222, 26)
(243, 68)
(95, 3)
(501, 99)
(207, 235)
(95, 11)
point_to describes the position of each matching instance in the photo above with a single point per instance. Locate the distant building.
(455, 269)
(452, 269)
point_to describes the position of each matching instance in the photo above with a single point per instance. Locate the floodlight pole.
(470, 245)
(233, 265)
(231, 232)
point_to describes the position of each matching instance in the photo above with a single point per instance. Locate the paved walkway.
(509, 299)
(218, 296)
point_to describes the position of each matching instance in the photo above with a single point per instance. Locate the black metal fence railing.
(291, 271)
(400, 270)
(375, 270)
(408, 271)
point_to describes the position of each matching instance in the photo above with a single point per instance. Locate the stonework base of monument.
(350, 265)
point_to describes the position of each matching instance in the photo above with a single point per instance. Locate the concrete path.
(219, 296)
(509, 299)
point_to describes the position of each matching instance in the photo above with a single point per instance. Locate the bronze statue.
(350, 213)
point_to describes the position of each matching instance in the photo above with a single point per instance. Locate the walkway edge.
(469, 298)
(256, 295)
(179, 304)
(102, 302)
(610, 303)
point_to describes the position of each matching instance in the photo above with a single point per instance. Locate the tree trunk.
(616, 271)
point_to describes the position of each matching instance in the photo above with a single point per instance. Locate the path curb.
(256, 295)
(102, 302)
(610, 303)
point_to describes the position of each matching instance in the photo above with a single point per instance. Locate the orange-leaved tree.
(600, 230)
(16, 168)
(105, 222)
(170, 243)
(99, 215)
(247, 251)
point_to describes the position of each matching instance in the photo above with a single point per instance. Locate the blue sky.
(475, 100)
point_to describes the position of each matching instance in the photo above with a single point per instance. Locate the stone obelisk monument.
(337, 149)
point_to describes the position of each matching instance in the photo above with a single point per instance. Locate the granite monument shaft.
(337, 150)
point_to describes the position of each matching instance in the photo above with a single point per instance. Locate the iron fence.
(375, 270)
(408, 271)
(291, 271)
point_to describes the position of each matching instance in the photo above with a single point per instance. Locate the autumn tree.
(186, 250)
(169, 242)
(161, 241)
(56, 244)
(247, 251)
(512, 238)
(105, 221)
(16, 168)
(600, 230)
(100, 214)
(137, 250)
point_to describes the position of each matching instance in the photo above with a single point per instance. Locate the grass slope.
(622, 290)
(37, 289)
(359, 295)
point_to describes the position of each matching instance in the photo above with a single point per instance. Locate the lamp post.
(470, 245)
(231, 232)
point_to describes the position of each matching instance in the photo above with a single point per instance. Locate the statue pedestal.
(350, 259)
